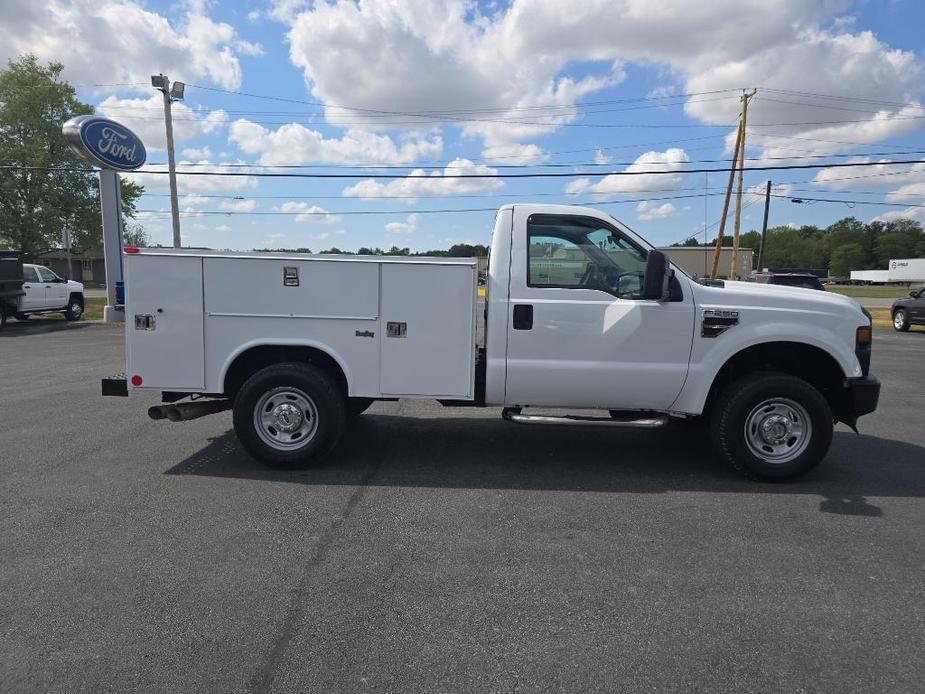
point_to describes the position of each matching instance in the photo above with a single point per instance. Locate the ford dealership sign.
(105, 143)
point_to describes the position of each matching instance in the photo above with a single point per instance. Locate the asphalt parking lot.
(444, 550)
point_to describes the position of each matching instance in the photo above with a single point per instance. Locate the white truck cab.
(40, 290)
(581, 314)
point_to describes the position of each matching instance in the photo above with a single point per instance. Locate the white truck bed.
(397, 326)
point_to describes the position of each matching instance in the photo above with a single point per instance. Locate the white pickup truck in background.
(581, 314)
(38, 290)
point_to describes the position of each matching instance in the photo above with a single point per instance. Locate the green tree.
(36, 202)
(845, 258)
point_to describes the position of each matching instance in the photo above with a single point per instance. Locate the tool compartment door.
(427, 321)
(164, 321)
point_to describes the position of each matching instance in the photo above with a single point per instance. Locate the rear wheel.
(75, 308)
(772, 426)
(2, 315)
(22, 316)
(900, 321)
(289, 415)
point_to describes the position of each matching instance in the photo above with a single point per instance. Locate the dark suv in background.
(806, 280)
(909, 310)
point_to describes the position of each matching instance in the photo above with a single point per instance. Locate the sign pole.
(112, 147)
(111, 208)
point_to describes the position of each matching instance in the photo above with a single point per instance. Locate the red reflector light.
(136, 380)
(130, 249)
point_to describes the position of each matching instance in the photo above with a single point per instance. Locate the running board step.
(513, 414)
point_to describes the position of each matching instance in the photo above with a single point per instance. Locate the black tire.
(900, 320)
(2, 316)
(75, 308)
(774, 400)
(320, 392)
(22, 316)
(357, 406)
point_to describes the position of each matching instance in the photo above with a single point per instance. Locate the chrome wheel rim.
(76, 309)
(778, 430)
(899, 320)
(285, 418)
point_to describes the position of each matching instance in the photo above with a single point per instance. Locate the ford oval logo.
(105, 143)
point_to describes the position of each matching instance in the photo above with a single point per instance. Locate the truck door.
(55, 288)
(579, 335)
(34, 299)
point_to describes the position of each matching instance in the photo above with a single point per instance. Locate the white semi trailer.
(581, 314)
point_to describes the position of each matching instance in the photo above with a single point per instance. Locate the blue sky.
(444, 86)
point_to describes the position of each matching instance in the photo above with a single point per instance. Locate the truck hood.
(778, 296)
(74, 287)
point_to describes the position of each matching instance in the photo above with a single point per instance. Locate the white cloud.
(340, 232)
(424, 184)
(409, 226)
(238, 205)
(145, 117)
(223, 228)
(647, 211)
(296, 144)
(123, 41)
(442, 58)
(186, 185)
(916, 213)
(515, 154)
(308, 213)
(600, 158)
(876, 174)
(320, 237)
(671, 160)
(197, 153)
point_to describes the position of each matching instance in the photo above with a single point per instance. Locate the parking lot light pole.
(171, 93)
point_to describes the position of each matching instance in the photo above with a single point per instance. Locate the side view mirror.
(656, 285)
(913, 293)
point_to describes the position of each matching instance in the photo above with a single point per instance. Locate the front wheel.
(900, 321)
(75, 309)
(289, 415)
(772, 426)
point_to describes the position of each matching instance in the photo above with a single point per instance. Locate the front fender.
(709, 355)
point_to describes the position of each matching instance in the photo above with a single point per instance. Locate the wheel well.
(252, 360)
(78, 295)
(812, 364)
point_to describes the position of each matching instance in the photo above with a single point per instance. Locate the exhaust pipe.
(194, 410)
(157, 412)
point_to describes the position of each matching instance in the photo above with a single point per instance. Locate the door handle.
(523, 317)
(27, 286)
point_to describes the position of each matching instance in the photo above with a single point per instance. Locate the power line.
(553, 165)
(802, 199)
(335, 213)
(533, 174)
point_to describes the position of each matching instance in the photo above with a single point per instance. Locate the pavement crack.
(262, 679)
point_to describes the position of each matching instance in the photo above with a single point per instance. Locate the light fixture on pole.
(171, 93)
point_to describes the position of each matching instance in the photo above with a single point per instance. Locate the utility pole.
(171, 93)
(722, 219)
(734, 270)
(764, 225)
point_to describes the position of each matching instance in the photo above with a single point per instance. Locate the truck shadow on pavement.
(37, 326)
(484, 453)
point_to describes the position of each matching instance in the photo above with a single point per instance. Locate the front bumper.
(859, 396)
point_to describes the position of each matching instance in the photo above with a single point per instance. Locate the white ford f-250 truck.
(580, 314)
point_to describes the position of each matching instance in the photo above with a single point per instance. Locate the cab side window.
(29, 274)
(46, 275)
(569, 252)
